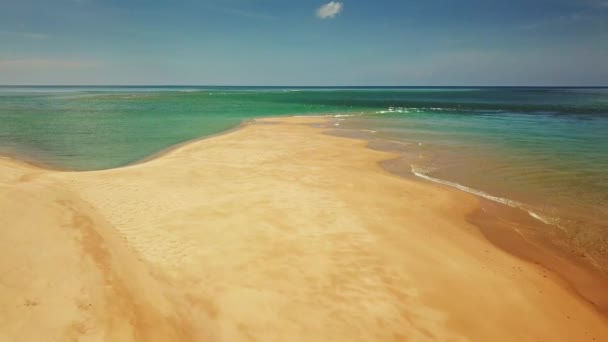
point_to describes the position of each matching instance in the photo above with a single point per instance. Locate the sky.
(304, 42)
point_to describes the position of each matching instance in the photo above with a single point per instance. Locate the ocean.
(544, 150)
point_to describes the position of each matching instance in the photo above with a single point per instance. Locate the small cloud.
(329, 10)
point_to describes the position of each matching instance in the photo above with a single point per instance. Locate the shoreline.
(537, 251)
(99, 199)
(524, 242)
(29, 161)
(22, 159)
(515, 230)
(518, 235)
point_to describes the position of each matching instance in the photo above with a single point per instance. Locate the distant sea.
(544, 150)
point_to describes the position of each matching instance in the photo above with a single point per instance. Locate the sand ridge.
(273, 232)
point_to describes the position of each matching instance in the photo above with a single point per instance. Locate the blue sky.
(286, 42)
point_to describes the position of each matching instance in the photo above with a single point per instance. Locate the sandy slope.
(274, 232)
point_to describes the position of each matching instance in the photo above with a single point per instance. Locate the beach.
(271, 232)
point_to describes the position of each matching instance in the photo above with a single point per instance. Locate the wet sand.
(273, 232)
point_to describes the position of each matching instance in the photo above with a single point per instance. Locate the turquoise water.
(543, 149)
(99, 128)
(552, 164)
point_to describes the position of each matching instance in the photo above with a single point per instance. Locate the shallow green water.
(93, 128)
(544, 149)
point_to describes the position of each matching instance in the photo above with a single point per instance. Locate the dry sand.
(274, 232)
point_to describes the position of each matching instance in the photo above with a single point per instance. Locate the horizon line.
(303, 86)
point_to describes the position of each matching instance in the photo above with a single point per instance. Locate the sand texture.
(273, 232)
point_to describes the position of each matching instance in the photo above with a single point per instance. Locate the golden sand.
(273, 232)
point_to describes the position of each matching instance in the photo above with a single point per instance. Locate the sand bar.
(273, 232)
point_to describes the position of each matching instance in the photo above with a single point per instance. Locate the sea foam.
(393, 110)
(502, 200)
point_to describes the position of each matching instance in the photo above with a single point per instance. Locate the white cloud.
(329, 10)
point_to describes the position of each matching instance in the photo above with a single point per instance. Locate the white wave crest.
(506, 201)
(540, 218)
(394, 110)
